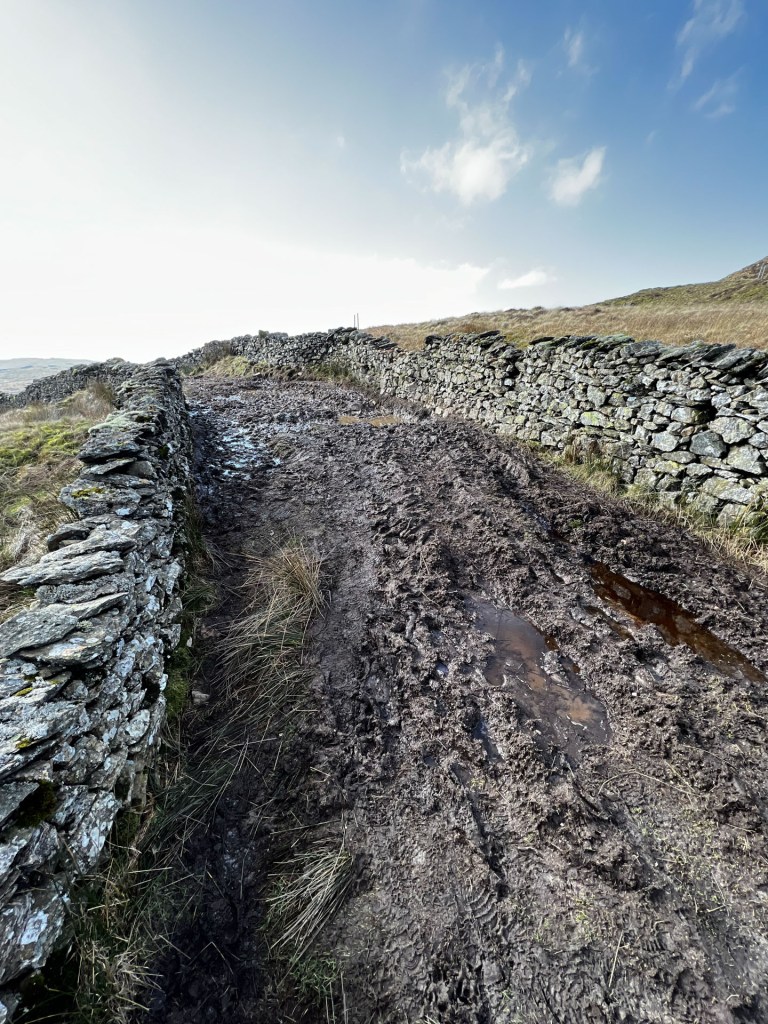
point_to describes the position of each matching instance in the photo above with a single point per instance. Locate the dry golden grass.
(731, 311)
(744, 324)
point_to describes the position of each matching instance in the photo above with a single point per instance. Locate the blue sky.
(177, 170)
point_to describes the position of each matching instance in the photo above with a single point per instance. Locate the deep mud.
(535, 721)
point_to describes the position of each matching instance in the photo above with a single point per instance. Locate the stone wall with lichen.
(113, 373)
(688, 423)
(82, 666)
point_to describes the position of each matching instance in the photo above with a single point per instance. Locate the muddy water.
(545, 684)
(675, 624)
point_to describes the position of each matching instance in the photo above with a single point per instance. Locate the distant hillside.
(15, 374)
(732, 310)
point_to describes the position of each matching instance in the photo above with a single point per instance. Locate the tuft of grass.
(231, 366)
(337, 371)
(584, 460)
(307, 892)
(285, 592)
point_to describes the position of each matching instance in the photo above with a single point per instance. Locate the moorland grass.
(38, 446)
(733, 310)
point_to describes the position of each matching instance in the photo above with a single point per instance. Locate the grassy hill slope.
(732, 310)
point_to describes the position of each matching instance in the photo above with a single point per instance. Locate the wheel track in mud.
(508, 866)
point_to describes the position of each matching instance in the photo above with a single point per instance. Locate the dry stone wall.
(82, 669)
(113, 372)
(689, 423)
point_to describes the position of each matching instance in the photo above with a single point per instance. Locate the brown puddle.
(558, 700)
(675, 624)
(372, 421)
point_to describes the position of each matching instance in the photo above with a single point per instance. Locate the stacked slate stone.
(690, 423)
(113, 372)
(82, 667)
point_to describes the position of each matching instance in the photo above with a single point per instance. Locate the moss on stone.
(180, 671)
(85, 492)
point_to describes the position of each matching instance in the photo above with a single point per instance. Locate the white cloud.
(486, 155)
(720, 99)
(573, 177)
(574, 47)
(711, 21)
(76, 294)
(341, 141)
(532, 279)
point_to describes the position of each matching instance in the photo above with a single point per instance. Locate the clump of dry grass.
(307, 891)
(231, 366)
(284, 593)
(585, 460)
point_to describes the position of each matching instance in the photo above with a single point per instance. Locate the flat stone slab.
(60, 567)
(51, 622)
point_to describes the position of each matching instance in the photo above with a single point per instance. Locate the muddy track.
(535, 720)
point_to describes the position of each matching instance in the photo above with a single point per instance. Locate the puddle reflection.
(556, 697)
(675, 624)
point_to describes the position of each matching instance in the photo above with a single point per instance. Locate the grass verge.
(124, 916)
(743, 540)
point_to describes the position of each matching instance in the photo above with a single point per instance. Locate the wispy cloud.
(720, 100)
(710, 21)
(531, 279)
(487, 153)
(574, 47)
(575, 176)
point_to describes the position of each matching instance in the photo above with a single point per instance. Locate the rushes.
(285, 592)
(309, 890)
